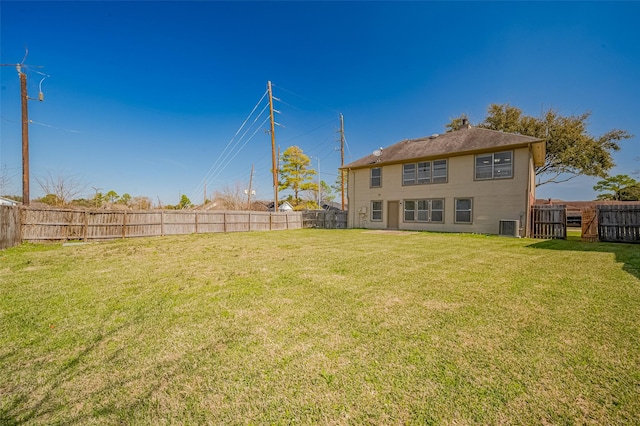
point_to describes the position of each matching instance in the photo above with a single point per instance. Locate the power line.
(215, 164)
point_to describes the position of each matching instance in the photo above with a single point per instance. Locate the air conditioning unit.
(509, 228)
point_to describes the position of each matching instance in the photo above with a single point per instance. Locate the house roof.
(464, 141)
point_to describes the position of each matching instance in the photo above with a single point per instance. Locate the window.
(498, 165)
(424, 172)
(376, 177)
(464, 210)
(376, 211)
(424, 210)
(408, 174)
(439, 171)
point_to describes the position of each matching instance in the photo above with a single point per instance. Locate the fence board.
(549, 221)
(619, 223)
(9, 226)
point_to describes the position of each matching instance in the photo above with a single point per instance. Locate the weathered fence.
(549, 221)
(325, 219)
(619, 223)
(9, 226)
(90, 225)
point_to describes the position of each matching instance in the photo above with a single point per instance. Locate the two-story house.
(469, 180)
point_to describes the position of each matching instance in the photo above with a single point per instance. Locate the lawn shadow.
(626, 253)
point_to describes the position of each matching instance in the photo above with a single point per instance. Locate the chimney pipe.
(465, 123)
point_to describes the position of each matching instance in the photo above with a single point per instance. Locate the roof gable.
(463, 141)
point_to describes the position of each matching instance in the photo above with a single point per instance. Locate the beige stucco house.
(469, 180)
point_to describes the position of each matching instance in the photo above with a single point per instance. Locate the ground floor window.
(464, 210)
(429, 210)
(376, 211)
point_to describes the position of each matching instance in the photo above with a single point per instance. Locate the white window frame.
(374, 211)
(371, 178)
(495, 169)
(416, 210)
(423, 172)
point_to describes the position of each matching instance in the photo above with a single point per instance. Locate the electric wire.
(211, 170)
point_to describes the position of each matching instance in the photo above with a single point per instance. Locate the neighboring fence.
(619, 223)
(549, 221)
(325, 219)
(89, 225)
(9, 226)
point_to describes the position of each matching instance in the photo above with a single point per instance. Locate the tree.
(571, 150)
(231, 198)
(51, 200)
(296, 175)
(185, 202)
(140, 203)
(630, 193)
(619, 187)
(326, 193)
(64, 187)
(111, 197)
(124, 199)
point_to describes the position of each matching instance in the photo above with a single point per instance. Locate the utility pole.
(249, 192)
(25, 137)
(274, 166)
(24, 98)
(342, 158)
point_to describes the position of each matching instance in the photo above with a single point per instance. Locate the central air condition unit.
(509, 228)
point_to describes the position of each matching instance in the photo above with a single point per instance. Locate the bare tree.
(61, 188)
(231, 198)
(5, 180)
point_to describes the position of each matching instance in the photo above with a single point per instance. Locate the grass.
(312, 326)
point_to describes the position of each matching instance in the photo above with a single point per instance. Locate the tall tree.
(619, 187)
(571, 150)
(295, 174)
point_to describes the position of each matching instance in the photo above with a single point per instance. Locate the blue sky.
(143, 97)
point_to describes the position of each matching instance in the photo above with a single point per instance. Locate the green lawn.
(328, 327)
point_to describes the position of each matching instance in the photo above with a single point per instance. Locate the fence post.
(124, 225)
(196, 213)
(224, 221)
(86, 225)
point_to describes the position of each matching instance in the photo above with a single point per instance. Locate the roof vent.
(433, 136)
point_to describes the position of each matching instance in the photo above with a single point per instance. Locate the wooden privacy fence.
(88, 225)
(325, 219)
(9, 226)
(549, 221)
(619, 223)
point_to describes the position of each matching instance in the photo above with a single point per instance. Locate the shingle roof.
(463, 141)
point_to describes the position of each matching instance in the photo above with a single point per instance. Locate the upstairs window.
(498, 165)
(376, 177)
(424, 172)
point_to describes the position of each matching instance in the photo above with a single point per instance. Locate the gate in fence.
(325, 219)
(549, 221)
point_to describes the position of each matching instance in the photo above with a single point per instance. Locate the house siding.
(493, 200)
